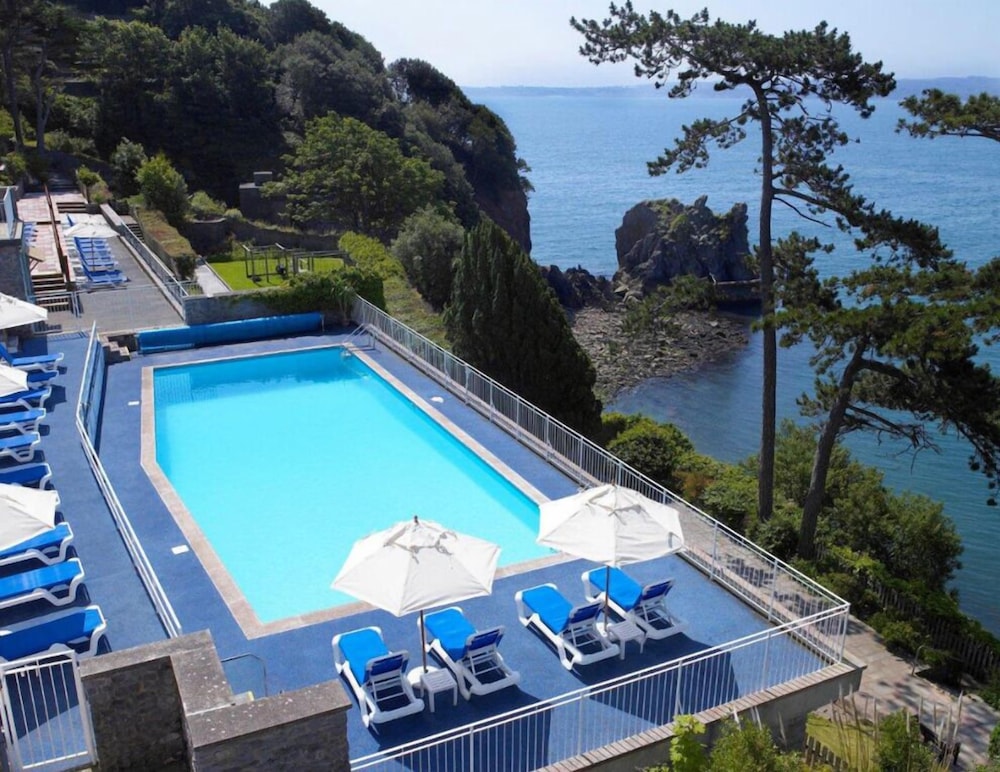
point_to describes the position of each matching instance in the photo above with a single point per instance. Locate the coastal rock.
(661, 240)
(622, 361)
(578, 288)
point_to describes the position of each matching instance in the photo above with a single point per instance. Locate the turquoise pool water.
(285, 460)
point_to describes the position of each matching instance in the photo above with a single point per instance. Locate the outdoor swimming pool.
(285, 460)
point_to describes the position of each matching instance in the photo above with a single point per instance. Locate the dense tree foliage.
(475, 137)
(896, 352)
(227, 87)
(791, 82)
(939, 114)
(428, 245)
(345, 173)
(37, 44)
(505, 320)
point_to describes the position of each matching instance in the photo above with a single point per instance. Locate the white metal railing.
(87, 406)
(176, 290)
(553, 730)
(810, 620)
(9, 219)
(771, 585)
(46, 719)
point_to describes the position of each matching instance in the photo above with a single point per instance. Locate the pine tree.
(505, 320)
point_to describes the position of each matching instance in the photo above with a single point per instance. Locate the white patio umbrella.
(90, 230)
(15, 312)
(416, 565)
(610, 524)
(25, 513)
(12, 380)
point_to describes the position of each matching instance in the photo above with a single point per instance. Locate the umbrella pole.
(423, 640)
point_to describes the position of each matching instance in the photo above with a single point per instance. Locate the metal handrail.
(164, 609)
(176, 291)
(581, 458)
(589, 728)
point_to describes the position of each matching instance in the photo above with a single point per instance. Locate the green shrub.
(994, 749)
(427, 246)
(899, 745)
(163, 188)
(652, 448)
(899, 635)
(126, 160)
(731, 498)
(65, 143)
(167, 242)
(204, 207)
(331, 293)
(370, 254)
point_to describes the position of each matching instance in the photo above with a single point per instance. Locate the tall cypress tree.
(505, 320)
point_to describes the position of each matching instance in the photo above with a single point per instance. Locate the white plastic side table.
(432, 682)
(625, 631)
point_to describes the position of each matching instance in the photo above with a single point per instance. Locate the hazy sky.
(530, 42)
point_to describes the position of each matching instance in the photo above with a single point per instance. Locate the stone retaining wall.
(168, 705)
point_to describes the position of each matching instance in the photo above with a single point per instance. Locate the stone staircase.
(50, 292)
(116, 349)
(134, 228)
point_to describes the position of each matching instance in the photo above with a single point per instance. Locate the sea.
(588, 149)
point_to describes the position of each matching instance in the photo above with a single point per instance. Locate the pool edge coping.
(234, 598)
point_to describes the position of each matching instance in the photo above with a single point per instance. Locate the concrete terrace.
(302, 656)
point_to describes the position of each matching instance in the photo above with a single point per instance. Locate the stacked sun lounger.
(97, 261)
(41, 608)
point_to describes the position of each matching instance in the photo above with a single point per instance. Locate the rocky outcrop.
(508, 209)
(661, 240)
(578, 288)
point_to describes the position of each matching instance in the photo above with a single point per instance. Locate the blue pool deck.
(302, 656)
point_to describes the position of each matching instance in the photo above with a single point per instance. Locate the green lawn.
(234, 272)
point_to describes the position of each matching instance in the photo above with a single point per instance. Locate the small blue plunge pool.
(285, 460)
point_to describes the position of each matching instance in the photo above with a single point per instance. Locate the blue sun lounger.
(29, 475)
(646, 606)
(20, 447)
(36, 378)
(23, 421)
(470, 654)
(77, 629)
(571, 629)
(376, 675)
(49, 547)
(23, 400)
(55, 583)
(37, 362)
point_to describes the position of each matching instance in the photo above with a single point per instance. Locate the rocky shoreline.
(623, 361)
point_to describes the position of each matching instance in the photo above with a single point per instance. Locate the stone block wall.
(168, 705)
(230, 307)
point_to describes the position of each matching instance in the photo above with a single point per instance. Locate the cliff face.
(508, 209)
(661, 240)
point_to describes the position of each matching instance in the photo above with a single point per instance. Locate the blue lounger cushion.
(572, 630)
(48, 547)
(362, 646)
(22, 400)
(79, 629)
(451, 629)
(20, 447)
(376, 675)
(23, 421)
(471, 655)
(625, 591)
(32, 475)
(645, 606)
(37, 362)
(36, 377)
(55, 583)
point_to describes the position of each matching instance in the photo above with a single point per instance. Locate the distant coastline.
(963, 86)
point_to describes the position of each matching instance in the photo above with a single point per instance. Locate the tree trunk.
(11, 88)
(824, 451)
(765, 463)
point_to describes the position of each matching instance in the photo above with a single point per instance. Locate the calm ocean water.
(588, 150)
